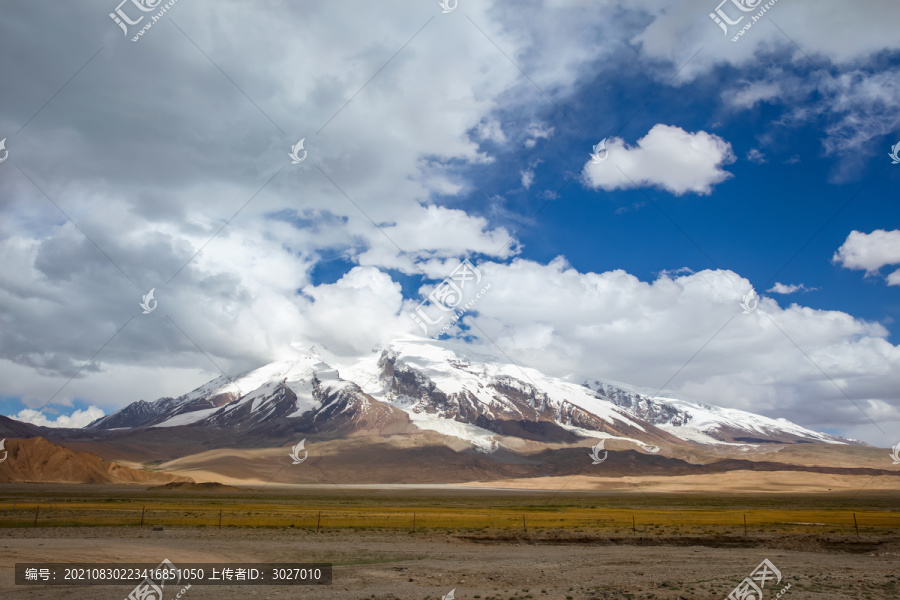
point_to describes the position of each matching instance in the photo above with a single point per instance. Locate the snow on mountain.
(692, 421)
(187, 418)
(448, 388)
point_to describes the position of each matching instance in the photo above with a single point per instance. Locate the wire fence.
(617, 521)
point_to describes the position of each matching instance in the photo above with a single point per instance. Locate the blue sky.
(437, 137)
(780, 218)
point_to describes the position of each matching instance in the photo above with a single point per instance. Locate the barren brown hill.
(37, 460)
(188, 486)
(424, 459)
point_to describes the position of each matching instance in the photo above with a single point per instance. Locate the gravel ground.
(544, 565)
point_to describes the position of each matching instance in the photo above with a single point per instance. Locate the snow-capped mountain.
(444, 387)
(304, 394)
(692, 421)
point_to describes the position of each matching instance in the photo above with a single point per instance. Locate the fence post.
(855, 524)
(143, 510)
(318, 521)
(36, 511)
(633, 527)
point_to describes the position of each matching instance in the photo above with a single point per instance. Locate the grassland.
(457, 510)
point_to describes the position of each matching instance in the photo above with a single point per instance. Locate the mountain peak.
(449, 388)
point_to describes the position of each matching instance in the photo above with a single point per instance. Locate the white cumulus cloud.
(870, 252)
(667, 157)
(76, 420)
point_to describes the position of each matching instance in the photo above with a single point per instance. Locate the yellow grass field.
(517, 514)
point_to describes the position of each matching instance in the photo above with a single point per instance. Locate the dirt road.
(479, 566)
